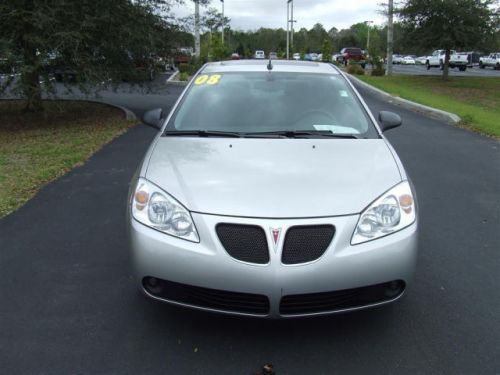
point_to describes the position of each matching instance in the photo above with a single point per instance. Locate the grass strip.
(36, 148)
(475, 99)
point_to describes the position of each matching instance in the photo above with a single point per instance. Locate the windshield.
(260, 102)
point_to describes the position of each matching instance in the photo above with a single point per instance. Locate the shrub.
(183, 76)
(355, 69)
(194, 66)
(183, 68)
(378, 72)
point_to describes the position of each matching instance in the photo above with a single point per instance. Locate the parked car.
(353, 54)
(408, 60)
(421, 60)
(235, 56)
(492, 60)
(314, 57)
(308, 57)
(7, 66)
(338, 57)
(273, 55)
(472, 58)
(296, 56)
(437, 59)
(231, 210)
(260, 55)
(397, 59)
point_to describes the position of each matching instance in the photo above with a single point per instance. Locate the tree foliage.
(94, 40)
(449, 24)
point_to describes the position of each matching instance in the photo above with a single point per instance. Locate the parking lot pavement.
(422, 70)
(69, 304)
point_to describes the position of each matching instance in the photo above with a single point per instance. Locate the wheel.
(428, 66)
(462, 68)
(497, 66)
(481, 65)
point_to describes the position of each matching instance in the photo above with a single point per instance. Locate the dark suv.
(353, 54)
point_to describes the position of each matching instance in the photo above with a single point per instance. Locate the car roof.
(278, 66)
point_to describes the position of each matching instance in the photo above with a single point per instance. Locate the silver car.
(270, 191)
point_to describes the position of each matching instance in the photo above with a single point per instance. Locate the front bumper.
(208, 265)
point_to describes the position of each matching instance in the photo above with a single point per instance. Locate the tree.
(213, 20)
(218, 51)
(96, 41)
(316, 36)
(449, 24)
(326, 51)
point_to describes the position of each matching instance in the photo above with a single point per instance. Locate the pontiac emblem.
(275, 236)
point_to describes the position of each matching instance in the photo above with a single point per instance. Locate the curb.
(172, 76)
(434, 113)
(129, 115)
(170, 80)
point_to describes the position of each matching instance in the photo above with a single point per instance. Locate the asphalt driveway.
(69, 305)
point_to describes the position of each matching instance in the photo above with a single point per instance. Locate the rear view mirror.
(389, 120)
(154, 118)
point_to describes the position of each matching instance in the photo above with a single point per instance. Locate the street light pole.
(288, 28)
(367, 23)
(390, 38)
(292, 21)
(197, 28)
(222, 1)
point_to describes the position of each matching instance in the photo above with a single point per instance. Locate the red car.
(353, 54)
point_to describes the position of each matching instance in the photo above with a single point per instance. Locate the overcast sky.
(253, 14)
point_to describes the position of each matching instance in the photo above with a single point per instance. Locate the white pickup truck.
(492, 60)
(437, 60)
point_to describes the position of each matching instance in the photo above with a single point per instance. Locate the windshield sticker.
(344, 93)
(205, 79)
(337, 129)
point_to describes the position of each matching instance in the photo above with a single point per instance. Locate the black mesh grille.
(208, 298)
(306, 243)
(244, 242)
(342, 299)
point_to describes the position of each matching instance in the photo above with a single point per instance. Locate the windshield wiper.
(202, 133)
(304, 134)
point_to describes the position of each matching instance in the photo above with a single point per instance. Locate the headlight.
(391, 212)
(155, 208)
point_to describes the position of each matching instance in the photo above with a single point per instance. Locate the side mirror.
(153, 118)
(389, 120)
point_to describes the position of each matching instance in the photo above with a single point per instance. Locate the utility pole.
(288, 29)
(292, 21)
(222, 1)
(197, 28)
(390, 38)
(368, 23)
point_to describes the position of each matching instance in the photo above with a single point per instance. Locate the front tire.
(427, 65)
(462, 68)
(481, 65)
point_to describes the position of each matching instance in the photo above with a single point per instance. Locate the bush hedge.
(378, 72)
(355, 69)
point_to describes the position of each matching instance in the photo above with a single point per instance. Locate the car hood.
(273, 178)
